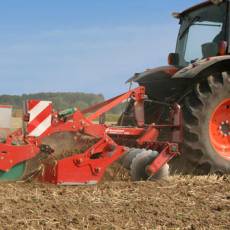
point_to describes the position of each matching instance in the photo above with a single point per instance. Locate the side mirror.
(173, 59)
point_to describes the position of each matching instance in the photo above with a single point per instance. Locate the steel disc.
(140, 163)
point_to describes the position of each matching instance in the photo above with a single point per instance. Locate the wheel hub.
(225, 128)
(219, 129)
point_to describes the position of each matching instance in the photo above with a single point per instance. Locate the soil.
(178, 203)
(117, 203)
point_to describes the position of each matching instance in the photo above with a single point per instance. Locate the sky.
(90, 46)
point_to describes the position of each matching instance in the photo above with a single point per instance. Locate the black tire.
(139, 164)
(153, 113)
(197, 110)
(127, 118)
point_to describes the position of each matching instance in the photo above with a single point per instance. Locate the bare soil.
(179, 203)
(116, 203)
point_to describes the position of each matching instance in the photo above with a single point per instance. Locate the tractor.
(177, 119)
(198, 79)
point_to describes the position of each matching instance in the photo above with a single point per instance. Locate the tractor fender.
(203, 67)
(159, 73)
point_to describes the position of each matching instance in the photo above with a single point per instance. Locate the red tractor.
(197, 78)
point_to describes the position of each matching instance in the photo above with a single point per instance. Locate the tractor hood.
(159, 73)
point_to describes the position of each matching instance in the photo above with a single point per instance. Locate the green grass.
(112, 117)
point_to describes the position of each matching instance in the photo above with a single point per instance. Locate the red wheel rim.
(219, 129)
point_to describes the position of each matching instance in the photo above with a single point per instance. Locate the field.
(116, 203)
(179, 203)
(16, 122)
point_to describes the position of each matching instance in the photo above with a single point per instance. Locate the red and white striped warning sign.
(40, 116)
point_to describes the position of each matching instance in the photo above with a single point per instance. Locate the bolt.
(97, 170)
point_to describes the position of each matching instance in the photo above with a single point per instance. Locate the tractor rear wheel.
(207, 125)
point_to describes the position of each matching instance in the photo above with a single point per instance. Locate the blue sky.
(83, 45)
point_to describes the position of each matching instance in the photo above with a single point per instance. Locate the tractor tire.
(141, 162)
(206, 113)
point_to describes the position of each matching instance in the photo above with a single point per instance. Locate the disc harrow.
(69, 147)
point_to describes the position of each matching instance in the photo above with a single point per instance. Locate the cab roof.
(200, 5)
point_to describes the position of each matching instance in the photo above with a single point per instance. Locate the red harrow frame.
(112, 141)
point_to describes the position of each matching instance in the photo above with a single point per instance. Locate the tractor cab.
(203, 33)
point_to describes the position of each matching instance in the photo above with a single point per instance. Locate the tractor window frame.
(187, 21)
(228, 26)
